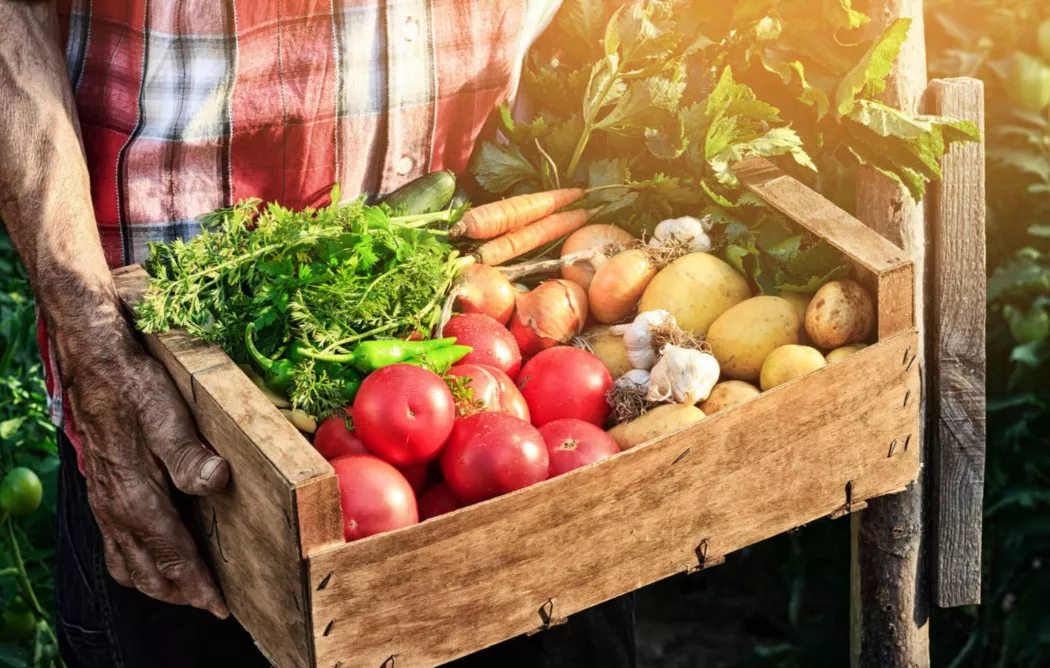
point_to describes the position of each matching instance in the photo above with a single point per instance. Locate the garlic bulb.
(635, 379)
(688, 231)
(638, 336)
(683, 375)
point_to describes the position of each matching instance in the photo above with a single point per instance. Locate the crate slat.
(956, 327)
(257, 530)
(460, 582)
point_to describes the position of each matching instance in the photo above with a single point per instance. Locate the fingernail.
(209, 468)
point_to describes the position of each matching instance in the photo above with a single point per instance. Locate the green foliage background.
(781, 604)
(27, 438)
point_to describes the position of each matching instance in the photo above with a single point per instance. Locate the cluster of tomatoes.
(408, 450)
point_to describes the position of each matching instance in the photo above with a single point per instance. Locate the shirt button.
(404, 165)
(411, 29)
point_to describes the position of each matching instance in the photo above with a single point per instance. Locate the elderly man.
(122, 121)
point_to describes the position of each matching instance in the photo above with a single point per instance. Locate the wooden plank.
(883, 268)
(251, 531)
(889, 600)
(956, 328)
(455, 584)
(820, 216)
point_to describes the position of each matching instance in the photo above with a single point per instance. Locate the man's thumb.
(194, 468)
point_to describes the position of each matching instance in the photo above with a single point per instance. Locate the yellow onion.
(618, 285)
(549, 315)
(484, 289)
(592, 237)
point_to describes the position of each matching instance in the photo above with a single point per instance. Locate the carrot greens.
(306, 282)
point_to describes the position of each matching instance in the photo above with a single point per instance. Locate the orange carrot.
(531, 237)
(489, 221)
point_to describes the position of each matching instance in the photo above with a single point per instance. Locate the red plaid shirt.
(191, 105)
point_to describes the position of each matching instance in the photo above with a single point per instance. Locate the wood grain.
(956, 329)
(455, 584)
(819, 215)
(889, 577)
(254, 531)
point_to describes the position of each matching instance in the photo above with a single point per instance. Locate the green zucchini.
(427, 194)
(460, 198)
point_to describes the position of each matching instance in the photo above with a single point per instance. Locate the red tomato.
(334, 439)
(490, 454)
(494, 389)
(565, 382)
(404, 414)
(437, 500)
(416, 475)
(374, 496)
(575, 443)
(492, 343)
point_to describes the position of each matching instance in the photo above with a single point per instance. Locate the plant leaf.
(499, 167)
(869, 75)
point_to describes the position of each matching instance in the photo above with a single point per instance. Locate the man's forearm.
(45, 198)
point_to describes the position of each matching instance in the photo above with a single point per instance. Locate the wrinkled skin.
(138, 437)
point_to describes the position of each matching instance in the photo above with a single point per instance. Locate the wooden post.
(889, 608)
(956, 330)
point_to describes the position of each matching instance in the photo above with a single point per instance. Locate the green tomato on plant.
(21, 492)
(19, 620)
(1030, 326)
(1029, 83)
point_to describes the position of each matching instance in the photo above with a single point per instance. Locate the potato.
(695, 289)
(789, 362)
(658, 422)
(841, 313)
(609, 348)
(618, 434)
(743, 336)
(800, 300)
(839, 354)
(728, 393)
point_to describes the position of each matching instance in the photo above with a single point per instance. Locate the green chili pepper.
(349, 377)
(350, 388)
(372, 355)
(278, 373)
(441, 360)
(295, 351)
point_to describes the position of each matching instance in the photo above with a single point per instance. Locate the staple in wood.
(681, 456)
(547, 612)
(324, 581)
(328, 628)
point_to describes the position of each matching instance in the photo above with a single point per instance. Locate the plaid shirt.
(191, 105)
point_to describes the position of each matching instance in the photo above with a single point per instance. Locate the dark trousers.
(104, 625)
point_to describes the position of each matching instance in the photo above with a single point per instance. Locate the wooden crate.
(818, 446)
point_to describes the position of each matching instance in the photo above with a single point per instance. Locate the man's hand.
(136, 430)
(137, 434)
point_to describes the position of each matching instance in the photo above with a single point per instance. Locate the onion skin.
(549, 315)
(588, 238)
(618, 285)
(484, 289)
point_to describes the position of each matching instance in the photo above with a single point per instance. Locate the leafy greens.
(667, 95)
